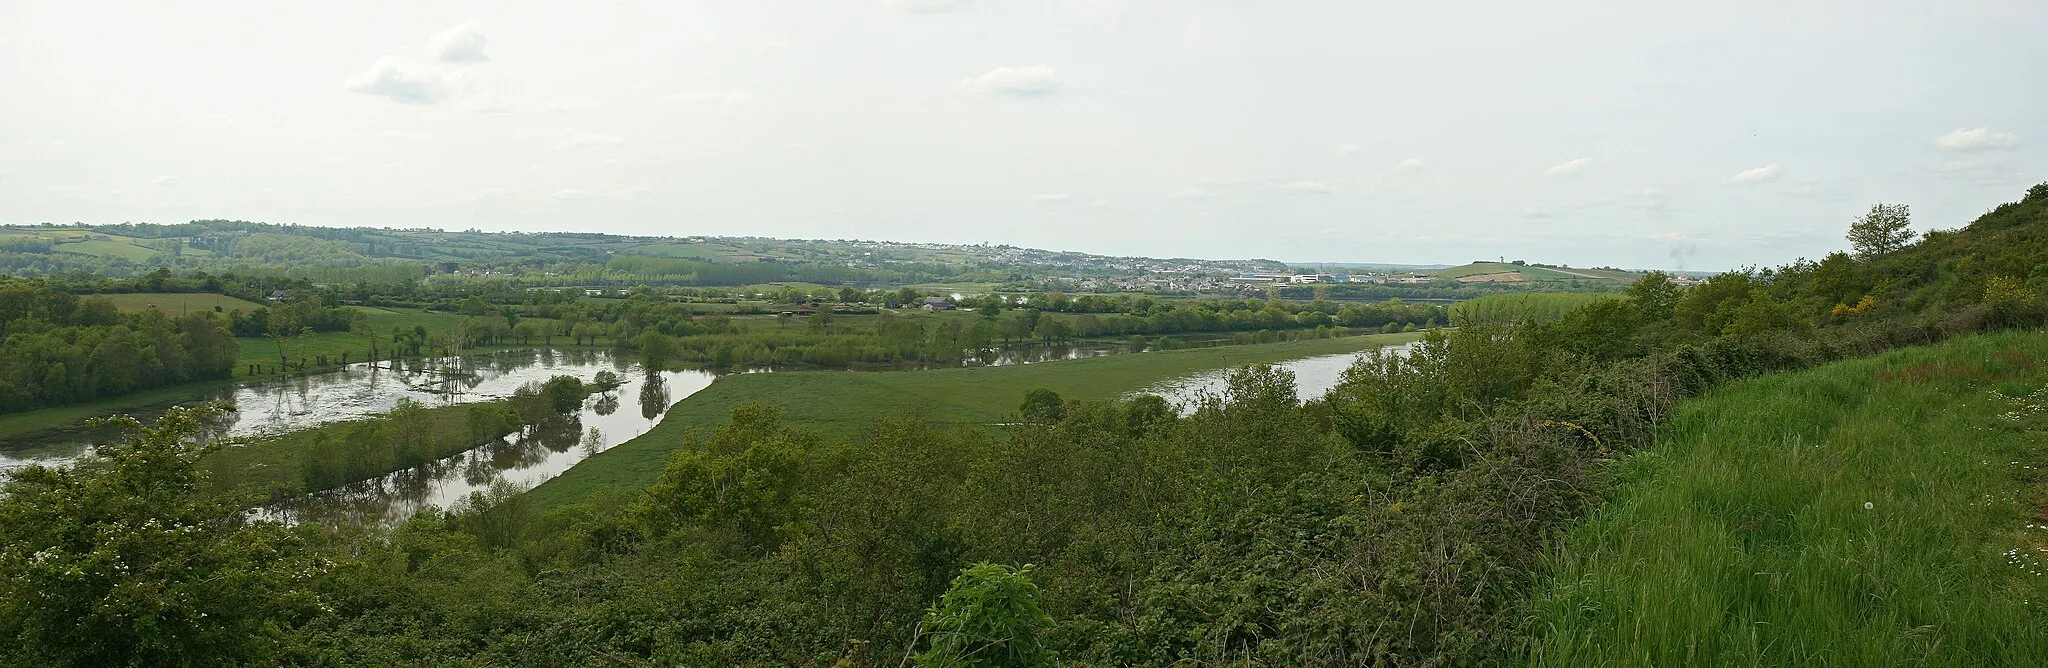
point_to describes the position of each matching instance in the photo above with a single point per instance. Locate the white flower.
(1868, 505)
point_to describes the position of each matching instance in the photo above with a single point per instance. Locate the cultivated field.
(174, 303)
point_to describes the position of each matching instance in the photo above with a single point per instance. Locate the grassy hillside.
(1882, 511)
(843, 404)
(173, 303)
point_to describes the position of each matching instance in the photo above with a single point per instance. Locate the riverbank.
(838, 404)
(1881, 511)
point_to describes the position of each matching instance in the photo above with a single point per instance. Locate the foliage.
(989, 617)
(1886, 228)
(122, 560)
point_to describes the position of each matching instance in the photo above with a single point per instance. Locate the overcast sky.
(1590, 133)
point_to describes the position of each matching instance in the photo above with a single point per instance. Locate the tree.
(1886, 228)
(990, 617)
(121, 560)
(1042, 406)
(1656, 296)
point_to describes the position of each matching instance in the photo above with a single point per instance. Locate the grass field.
(175, 303)
(1887, 511)
(108, 249)
(844, 404)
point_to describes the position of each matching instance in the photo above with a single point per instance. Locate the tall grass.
(1744, 537)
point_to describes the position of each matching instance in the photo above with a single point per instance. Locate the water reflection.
(1313, 377)
(275, 406)
(524, 459)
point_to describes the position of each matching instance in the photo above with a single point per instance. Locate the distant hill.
(1503, 272)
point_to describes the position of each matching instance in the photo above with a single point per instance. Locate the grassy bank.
(1883, 511)
(840, 404)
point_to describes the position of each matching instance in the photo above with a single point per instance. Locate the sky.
(1633, 134)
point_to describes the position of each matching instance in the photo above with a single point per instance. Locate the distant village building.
(938, 304)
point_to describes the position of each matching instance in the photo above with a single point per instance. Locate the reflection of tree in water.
(606, 404)
(653, 396)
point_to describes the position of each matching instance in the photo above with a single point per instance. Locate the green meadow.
(1886, 511)
(840, 404)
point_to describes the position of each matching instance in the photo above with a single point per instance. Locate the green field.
(174, 303)
(115, 249)
(842, 404)
(1885, 511)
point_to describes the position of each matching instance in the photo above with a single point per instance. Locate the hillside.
(1880, 511)
(1522, 273)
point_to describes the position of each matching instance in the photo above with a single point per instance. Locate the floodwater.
(1313, 377)
(275, 406)
(520, 460)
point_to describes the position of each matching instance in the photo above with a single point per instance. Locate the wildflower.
(1868, 505)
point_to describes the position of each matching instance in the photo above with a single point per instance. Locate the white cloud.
(1050, 197)
(490, 104)
(1346, 150)
(713, 97)
(219, 118)
(1189, 192)
(582, 139)
(1764, 174)
(925, 6)
(572, 105)
(165, 180)
(401, 80)
(461, 44)
(768, 45)
(1647, 199)
(1534, 213)
(1569, 167)
(1408, 165)
(1028, 81)
(1307, 187)
(571, 193)
(1980, 139)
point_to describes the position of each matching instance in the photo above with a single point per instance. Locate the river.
(275, 406)
(1313, 377)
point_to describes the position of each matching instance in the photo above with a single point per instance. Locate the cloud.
(1569, 167)
(713, 97)
(1307, 187)
(461, 44)
(1534, 213)
(1408, 165)
(401, 80)
(1189, 192)
(582, 139)
(1347, 150)
(571, 193)
(1764, 174)
(768, 45)
(219, 118)
(572, 105)
(490, 104)
(925, 6)
(1647, 199)
(1980, 139)
(165, 180)
(1029, 81)
(1050, 197)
